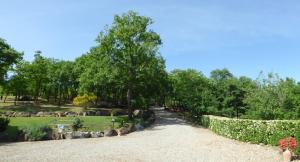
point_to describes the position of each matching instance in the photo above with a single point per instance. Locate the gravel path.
(169, 139)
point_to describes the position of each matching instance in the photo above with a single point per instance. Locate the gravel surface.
(169, 139)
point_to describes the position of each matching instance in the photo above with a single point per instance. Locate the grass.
(9, 106)
(90, 123)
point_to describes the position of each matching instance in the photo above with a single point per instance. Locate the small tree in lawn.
(77, 124)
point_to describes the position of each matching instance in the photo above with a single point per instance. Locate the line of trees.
(223, 94)
(126, 69)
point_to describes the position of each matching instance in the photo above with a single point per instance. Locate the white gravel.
(169, 139)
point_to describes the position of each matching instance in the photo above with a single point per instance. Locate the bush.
(140, 103)
(85, 100)
(37, 133)
(3, 124)
(254, 131)
(77, 124)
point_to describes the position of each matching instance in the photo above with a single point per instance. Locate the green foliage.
(37, 132)
(274, 98)
(8, 57)
(77, 124)
(3, 123)
(254, 131)
(191, 90)
(132, 49)
(125, 67)
(140, 103)
(222, 94)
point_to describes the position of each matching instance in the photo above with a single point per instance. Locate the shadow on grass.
(31, 108)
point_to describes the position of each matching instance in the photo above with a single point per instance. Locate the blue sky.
(245, 36)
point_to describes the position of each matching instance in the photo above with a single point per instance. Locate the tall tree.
(8, 57)
(38, 71)
(131, 46)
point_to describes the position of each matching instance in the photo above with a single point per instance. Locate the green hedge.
(253, 131)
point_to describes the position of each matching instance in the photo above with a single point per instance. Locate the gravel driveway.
(169, 139)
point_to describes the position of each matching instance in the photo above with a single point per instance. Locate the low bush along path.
(169, 139)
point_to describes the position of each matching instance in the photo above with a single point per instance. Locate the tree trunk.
(15, 102)
(5, 98)
(59, 96)
(37, 91)
(129, 92)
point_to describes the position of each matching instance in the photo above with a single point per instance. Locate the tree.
(8, 57)
(192, 91)
(221, 75)
(37, 71)
(98, 76)
(130, 47)
(273, 98)
(18, 83)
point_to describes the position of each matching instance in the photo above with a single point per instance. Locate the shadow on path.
(164, 118)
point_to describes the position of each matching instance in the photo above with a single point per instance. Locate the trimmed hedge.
(254, 131)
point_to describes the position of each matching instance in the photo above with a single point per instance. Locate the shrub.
(140, 103)
(85, 100)
(37, 133)
(254, 131)
(77, 124)
(3, 124)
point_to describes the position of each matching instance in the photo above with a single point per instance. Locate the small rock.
(77, 134)
(65, 113)
(86, 135)
(96, 134)
(137, 113)
(90, 113)
(98, 113)
(71, 114)
(69, 135)
(123, 130)
(110, 133)
(40, 114)
(47, 113)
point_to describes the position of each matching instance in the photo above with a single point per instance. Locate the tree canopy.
(125, 69)
(8, 57)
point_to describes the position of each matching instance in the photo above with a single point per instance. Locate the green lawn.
(90, 123)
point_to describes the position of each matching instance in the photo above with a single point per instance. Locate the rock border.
(63, 114)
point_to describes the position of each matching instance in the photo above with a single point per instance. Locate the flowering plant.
(288, 143)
